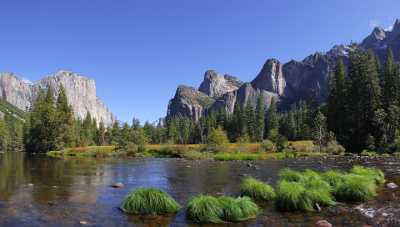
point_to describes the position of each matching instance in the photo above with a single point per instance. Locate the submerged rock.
(392, 185)
(323, 223)
(118, 185)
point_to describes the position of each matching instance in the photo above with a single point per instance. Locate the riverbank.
(232, 152)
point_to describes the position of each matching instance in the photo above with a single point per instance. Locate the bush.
(147, 201)
(333, 147)
(355, 188)
(292, 196)
(372, 173)
(209, 209)
(257, 190)
(268, 146)
(217, 140)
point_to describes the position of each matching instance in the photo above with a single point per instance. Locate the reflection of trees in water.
(12, 173)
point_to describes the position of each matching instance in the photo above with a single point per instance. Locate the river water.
(43, 191)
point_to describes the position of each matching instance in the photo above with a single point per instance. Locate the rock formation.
(80, 91)
(288, 83)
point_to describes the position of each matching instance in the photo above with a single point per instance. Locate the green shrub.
(333, 147)
(217, 140)
(149, 201)
(209, 209)
(355, 188)
(268, 146)
(318, 190)
(257, 190)
(292, 196)
(368, 153)
(372, 173)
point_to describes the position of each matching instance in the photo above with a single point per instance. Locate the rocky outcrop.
(216, 85)
(290, 82)
(80, 91)
(270, 78)
(189, 102)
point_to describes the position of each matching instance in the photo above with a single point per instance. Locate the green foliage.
(290, 175)
(268, 146)
(333, 178)
(355, 188)
(209, 209)
(205, 209)
(333, 147)
(292, 196)
(257, 190)
(146, 201)
(226, 156)
(372, 173)
(217, 140)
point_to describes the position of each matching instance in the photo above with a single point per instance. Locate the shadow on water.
(43, 191)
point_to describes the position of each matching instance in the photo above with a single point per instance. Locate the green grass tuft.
(257, 190)
(333, 178)
(355, 188)
(292, 196)
(290, 175)
(372, 173)
(147, 201)
(209, 209)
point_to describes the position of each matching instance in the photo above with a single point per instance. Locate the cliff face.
(290, 82)
(80, 91)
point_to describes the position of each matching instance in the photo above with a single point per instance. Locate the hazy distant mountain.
(288, 83)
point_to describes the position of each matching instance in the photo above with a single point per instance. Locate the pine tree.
(271, 120)
(337, 101)
(65, 121)
(259, 119)
(4, 136)
(364, 98)
(390, 96)
(250, 120)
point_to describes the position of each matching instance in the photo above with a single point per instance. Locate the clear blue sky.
(139, 51)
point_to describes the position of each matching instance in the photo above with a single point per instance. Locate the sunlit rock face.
(287, 83)
(80, 91)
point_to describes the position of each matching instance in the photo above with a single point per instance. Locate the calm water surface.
(43, 191)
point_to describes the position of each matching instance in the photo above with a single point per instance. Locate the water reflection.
(42, 191)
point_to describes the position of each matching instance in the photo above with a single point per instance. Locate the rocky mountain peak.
(216, 84)
(378, 33)
(270, 77)
(80, 91)
(396, 27)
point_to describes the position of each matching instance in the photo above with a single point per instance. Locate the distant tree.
(259, 119)
(250, 120)
(271, 120)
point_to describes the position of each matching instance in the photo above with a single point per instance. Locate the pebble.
(323, 223)
(83, 222)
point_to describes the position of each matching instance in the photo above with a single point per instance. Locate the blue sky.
(139, 51)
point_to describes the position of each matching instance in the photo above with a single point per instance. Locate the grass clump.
(257, 190)
(146, 201)
(333, 178)
(209, 209)
(290, 175)
(372, 173)
(292, 196)
(355, 188)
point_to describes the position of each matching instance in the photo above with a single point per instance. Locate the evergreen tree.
(250, 120)
(65, 122)
(364, 100)
(271, 120)
(337, 101)
(259, 121)
(4, 136)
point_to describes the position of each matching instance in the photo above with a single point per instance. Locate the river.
(42, 191)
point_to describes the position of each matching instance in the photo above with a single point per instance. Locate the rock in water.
(323, 223)
(80, 91)
(118, 185)
(392, 185)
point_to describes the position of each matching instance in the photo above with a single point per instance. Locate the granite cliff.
(288, 83)
(80, 91)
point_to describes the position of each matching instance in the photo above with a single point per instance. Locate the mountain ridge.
(295, 80)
